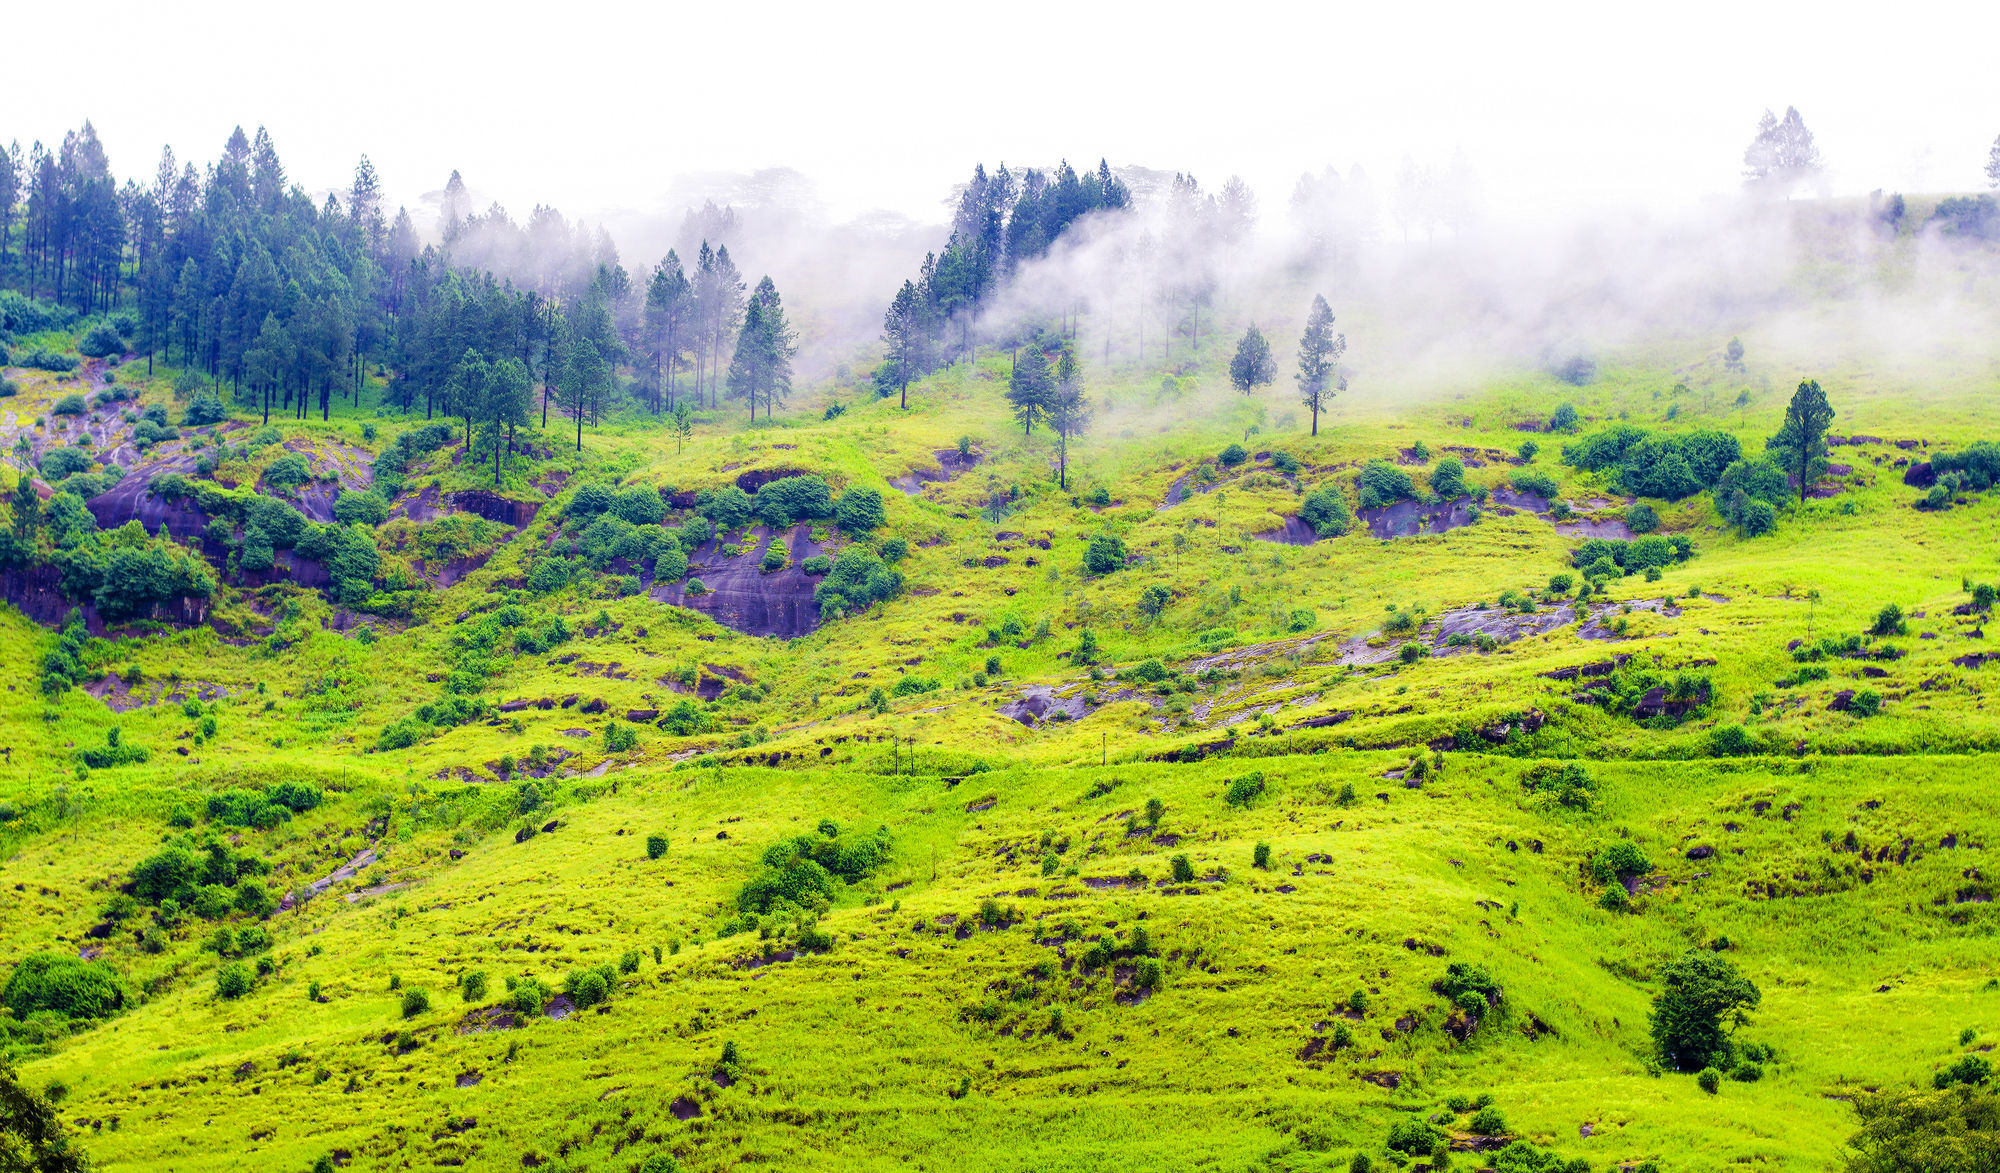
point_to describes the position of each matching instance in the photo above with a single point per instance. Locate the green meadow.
(1204, 907)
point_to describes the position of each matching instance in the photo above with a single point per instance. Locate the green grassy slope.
(925, 1035)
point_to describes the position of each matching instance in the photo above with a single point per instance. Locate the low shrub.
(234, 980)
(62, 985)
(1104, 554)
(1327, 512)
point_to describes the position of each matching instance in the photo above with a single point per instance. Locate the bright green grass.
(852, 1058)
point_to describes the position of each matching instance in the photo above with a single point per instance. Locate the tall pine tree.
(1319, 360)
(1028, 388)
(1068, 410)
(1253, 365)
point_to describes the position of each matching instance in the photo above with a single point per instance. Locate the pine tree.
(467, 391)
(725, 312)
(1782, 154)
(762, 367)
(907, 331)
(1253, 365)
(1068, 410)
(583, 380)
(364, 205)
(267, 174)
(10, 193)
(1028, 388)
(27, 511)
(454, 208)
(1800, 444)
(1992, 173)
(1319, 360)
(507, 399)
(681, 426)
(267, 360)
(669, 299)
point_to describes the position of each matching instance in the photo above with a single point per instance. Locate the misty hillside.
(503, 690)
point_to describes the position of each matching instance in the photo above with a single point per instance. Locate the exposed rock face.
(951, 464)
(37, 593)
(741, 595)
(1037, 703)
(757, 478)
(493, 507)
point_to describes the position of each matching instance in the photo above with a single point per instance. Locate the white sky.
(596, 107)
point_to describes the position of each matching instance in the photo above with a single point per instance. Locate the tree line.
(234, 271)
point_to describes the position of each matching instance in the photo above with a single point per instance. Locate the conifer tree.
(762, 368)
(1800, 444)
(508, 391)
(681, 426)
(1319, 360)
(668, 300)
(1782, 154)
(1028, 388)
(907, 331)
(1253, 365)
(1068, 410)
(725, 308)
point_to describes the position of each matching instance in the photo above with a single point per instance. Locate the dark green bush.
(1619, 860)
(639, 505)
(1567, 782)
(41, 358)
(726, 508)
(1105, 553)
(363, 508)
(856, 579)
(234, 980)
(806, 498)
(68, 986)
(1326, 511)
(1233, 455)
(684, 719)
(656, 846)
(1540, 484)
(100, 341)
(1242, 790)
(802, 871)
(1970, 1070)
(1382, 483)
(1413, 1136)
(415, 1002)
(57, 463)
(1448, 478)
(203, 410)
(1700, 990)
